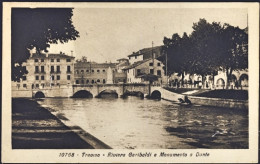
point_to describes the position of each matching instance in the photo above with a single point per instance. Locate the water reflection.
(140, 123)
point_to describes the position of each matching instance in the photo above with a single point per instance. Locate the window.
(92, 81)
(92, 70)
(52, 69)
(135, 57)
(87, 81)
(68, 77)
(104, 81)
(150, 64)
(52, 60)
(58, 69)
(42, 60)
(36, 77)
(42, 69)
(151, 71)
(77, 71)
(104, 70)
(37, 85)
(158, 64)
(42, 85)
(58, 60)
(159, 72)
(36, 60)
(58, 77)
(98, 80)
(24, 85)
(42, 77)
(87, 70)
(68, 60)
(82, 71)
(82, 81)
(36, 69)
(98, 71)
(52, 77)
(77, 81)
(52, 84)
(68, 69)
(24, 77)
(138, 71)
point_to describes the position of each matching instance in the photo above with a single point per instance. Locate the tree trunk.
(182, 79)
(149, 92)
(203, 81)
(228, 74)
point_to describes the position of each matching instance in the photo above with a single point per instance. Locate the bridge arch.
(133, 93)
(243, 79)
(82, 94)
(108, 93)
(39, 94)
(156, 95)
(220, 82)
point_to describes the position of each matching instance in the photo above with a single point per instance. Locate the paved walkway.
(33, 127)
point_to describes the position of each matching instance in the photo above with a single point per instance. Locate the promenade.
(34, 127)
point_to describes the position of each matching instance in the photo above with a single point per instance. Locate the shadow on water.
(82, 94)
(210, 127)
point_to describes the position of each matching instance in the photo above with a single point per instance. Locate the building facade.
(149, 66)
(146, 53)
(97, 73)
(45, 71)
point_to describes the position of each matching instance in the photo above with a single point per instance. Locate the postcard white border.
(51, 155)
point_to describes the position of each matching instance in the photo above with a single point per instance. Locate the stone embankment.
(217, 102)
(34, 127)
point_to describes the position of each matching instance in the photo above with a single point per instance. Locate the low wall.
(218, 102)
(22, 93)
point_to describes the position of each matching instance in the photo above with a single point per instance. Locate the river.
(135, 123)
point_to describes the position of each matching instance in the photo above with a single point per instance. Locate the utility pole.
(166, 69)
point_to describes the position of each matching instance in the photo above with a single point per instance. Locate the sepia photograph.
(139, 82)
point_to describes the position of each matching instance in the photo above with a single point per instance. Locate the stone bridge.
(119, 89)
(95, 90)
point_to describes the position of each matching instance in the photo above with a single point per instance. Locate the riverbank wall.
(218, 102)
(48, 130)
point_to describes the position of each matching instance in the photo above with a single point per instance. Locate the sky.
(107, 34)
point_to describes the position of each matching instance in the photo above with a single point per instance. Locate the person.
(186, 99)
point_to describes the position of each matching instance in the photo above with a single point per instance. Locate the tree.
(235, 50)
(38, 28)
(177, 50)
(206, 48)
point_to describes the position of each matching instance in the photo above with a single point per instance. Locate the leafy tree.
(177, 50)
(38, 28)
(206, 48)
(234, 54)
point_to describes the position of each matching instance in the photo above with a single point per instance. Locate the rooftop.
(51, 55)
(135, 64)
(147, 51)
(94, 65)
